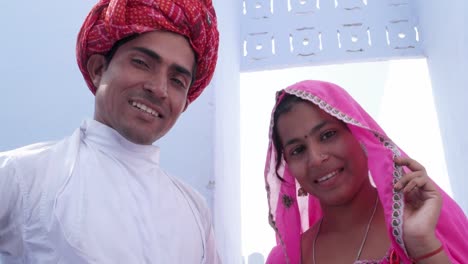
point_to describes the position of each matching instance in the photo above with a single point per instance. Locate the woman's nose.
(317, 156)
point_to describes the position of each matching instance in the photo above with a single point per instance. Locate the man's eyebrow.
(314, 130)
(178, 68)
(148, 52)
(182, 70)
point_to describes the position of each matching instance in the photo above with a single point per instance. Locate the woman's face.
(322, 154)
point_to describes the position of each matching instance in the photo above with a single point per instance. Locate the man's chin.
(140, 141)
(138, 137)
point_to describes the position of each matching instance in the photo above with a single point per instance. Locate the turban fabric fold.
(112, 20)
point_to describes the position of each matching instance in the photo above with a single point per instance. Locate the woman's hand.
(423, 203)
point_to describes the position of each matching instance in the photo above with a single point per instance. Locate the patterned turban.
(112, 20)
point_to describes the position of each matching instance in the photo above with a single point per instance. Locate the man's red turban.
(112, 20)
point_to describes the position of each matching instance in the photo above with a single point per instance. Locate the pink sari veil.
(291, 215)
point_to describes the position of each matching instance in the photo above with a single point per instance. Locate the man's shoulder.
(32, 153)
(39, 150)
(24, 164)
(26, 152)
(29, 149)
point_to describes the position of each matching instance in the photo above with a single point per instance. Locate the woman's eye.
(327, 135)
(296, 151)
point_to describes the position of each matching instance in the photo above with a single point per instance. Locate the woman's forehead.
(303, 117)
(308, 110)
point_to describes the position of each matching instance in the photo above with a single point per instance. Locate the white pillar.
(445, 35)
(227, 133)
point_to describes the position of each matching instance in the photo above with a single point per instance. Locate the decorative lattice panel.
(284, 33)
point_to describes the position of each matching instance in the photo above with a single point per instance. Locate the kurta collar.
(113, 143)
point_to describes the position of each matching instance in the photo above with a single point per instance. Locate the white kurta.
(97, 198)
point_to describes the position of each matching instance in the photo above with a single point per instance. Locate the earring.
(301, 192)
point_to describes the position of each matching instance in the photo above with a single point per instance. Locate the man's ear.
(96, 66)
(186, 105)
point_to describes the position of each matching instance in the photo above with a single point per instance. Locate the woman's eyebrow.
(314, 130)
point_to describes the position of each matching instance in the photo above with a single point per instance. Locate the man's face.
(143, 90)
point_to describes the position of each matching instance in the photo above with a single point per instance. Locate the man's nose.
(157, 85)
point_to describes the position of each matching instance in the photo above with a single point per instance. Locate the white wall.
(445, 34)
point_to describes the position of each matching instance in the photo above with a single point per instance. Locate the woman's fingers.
(416, 184)
(415, 179)
(411, 180)
(410, 163)
(422, 202)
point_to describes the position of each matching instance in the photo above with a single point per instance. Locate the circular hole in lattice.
(258, 5)
(258, 47)
(354, 39)
(303, 2)
(401, 35)
(305, 42)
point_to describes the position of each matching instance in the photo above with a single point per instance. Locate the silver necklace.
(363, 239)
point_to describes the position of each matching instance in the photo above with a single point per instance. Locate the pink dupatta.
(291, 215)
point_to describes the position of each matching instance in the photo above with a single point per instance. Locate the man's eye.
(179, 82)
(327, 135)
(140, 62)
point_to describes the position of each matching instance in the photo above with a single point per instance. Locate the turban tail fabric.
(290, 215)
(112, 20)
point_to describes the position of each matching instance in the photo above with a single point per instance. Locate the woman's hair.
(284, 106)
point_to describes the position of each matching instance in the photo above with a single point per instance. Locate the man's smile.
(145, 108)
